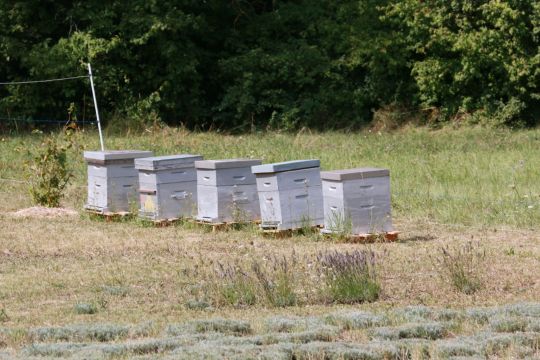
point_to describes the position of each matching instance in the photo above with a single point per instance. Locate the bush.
(222, 325)
(49, 173)
(350, 277)
(83, 332)
(354, 320)
(462, 266)
(86, 308)
(430, 331)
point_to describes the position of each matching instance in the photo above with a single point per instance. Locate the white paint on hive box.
(167, 186)
(227, 191)
(357, 200)
(290, 194)
(112, 179)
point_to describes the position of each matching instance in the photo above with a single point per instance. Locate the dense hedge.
(242, 64)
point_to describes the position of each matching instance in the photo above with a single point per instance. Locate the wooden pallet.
(108, 215)
(161, 222)
(222, 226)
(390, 236)
(282, 233)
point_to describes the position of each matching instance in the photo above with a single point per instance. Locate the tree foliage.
(243, 64)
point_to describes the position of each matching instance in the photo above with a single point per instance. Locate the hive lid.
(166, 162)
(226, 164)
(352, 174)
(285, 166)
(115, 155)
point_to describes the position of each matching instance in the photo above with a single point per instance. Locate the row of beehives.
(285, 195)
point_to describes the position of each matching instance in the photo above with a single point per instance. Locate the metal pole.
(95, 105)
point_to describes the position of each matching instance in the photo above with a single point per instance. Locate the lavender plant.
(234, 286)
(350, 277)
(277, 282)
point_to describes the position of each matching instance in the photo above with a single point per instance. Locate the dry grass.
(134, 274)
(48, 266)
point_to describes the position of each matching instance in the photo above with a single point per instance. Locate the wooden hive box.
(357, 201)
(112, 180)
(226, 191)
(290, 194)
(167, 186)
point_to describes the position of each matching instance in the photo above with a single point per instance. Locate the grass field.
(123, 289)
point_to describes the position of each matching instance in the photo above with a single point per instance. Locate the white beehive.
(112, 179)
(226, 191)
(167, 186)
(290, 194)
(357, 200)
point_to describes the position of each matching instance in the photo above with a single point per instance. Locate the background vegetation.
(244, 64)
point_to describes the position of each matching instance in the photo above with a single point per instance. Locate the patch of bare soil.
(43, 212)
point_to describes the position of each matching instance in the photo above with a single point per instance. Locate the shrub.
(82, 332)
(462, 266)
(86, 308)
(431, 331)
(225, 326)
(350, 277)
(48, 173)
(282, 324)
(353, 320)
(508, 324)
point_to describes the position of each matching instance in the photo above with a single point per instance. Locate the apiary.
(113, 180)
(167, 186)
(290, 194)
(357, 201)
(227, 191)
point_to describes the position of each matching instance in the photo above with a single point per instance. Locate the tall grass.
(468, 176)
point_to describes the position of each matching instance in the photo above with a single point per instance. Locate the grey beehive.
(357, 200)
(226, 191)
(167, 186)
(112, 179)
(290, 194)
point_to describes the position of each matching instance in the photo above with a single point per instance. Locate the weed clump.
(350, 277)
(462, 266)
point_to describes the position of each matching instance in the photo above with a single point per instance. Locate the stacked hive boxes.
(227, 191)
(357, 201)
(290, 194)
(167, 186)
(112, 179)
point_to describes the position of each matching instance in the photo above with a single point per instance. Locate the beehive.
(357, 201)
(226, 191)
(290, 194)
(167, 186)
(112, 179)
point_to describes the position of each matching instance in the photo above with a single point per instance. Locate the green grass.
(475, 177)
